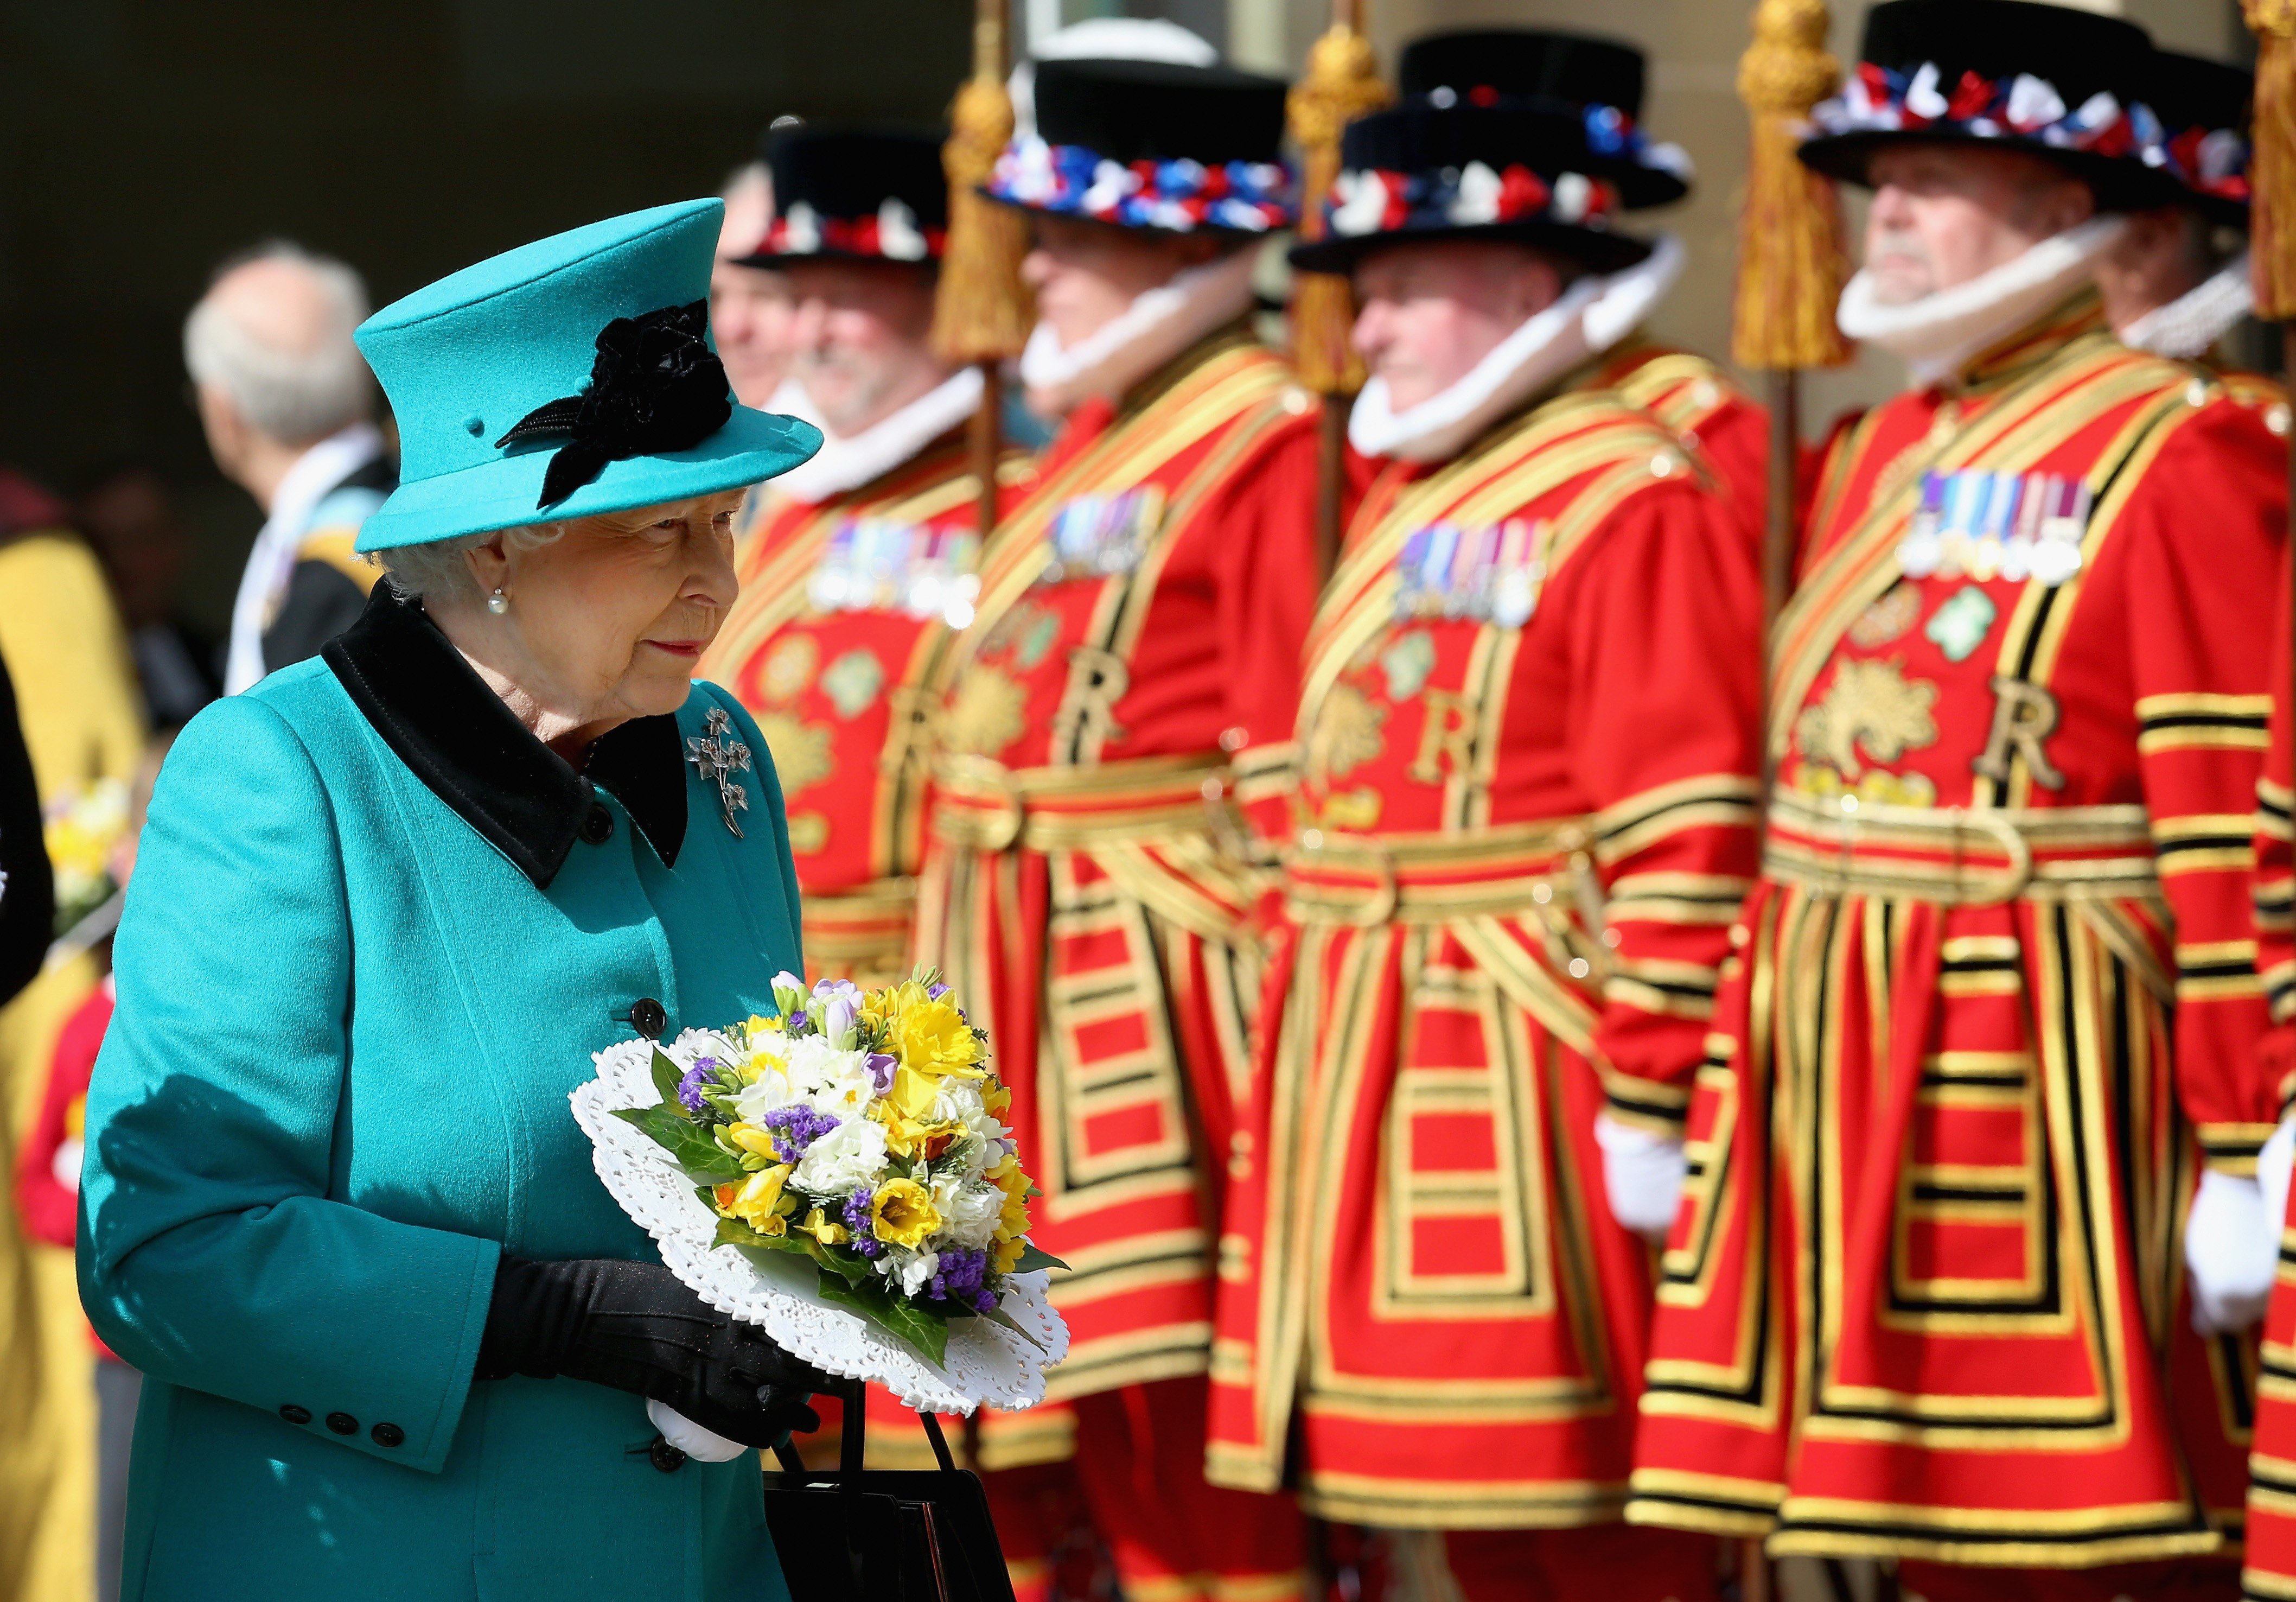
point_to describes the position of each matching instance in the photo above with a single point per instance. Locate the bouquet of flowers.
(855, 1140)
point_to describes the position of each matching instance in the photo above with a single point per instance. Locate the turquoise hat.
(566, 378)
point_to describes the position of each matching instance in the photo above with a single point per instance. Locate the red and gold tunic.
(2272, 1491)
(1527, 787)
(1997, 1000)
(1702, 405)
(845, 607)
(1138, 617)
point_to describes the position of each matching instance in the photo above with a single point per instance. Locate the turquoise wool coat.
(336, 1089)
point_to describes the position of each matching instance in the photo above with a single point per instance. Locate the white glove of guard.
(1643, 1175)
(703, 1446)
(2231, 1250)
(2272, 1166)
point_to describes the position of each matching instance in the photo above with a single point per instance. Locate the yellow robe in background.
(62, 639)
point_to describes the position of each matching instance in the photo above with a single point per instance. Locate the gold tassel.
(1791, 260)
(1341, 83)
(982, 310)
(2272, 169)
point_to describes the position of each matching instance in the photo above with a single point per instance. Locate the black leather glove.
(635, 1327)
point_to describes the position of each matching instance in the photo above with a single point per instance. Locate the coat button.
(342, 1424)
(646, 1015)
(295, 1414)
(388, 1434)
(598, 824)
(665, 1457)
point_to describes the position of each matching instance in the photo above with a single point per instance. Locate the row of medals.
(1489, 573)
(2006, 525)
(886, 564)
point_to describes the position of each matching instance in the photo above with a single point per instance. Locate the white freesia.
(844, 1159)
(914, 1270)
(969, 1210)
(959, 1101)
(832, 1079)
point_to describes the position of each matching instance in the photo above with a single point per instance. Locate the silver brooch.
(717, 759)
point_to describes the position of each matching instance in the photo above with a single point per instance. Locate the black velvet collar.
(461, 741)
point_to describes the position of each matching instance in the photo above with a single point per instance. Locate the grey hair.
(441, 567)
(292, 396)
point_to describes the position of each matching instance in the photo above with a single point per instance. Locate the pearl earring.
(497, 602)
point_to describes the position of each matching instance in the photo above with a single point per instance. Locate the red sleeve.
(1269, 582)
(1665, 668)
(2206, 531)
(50, 1205)
(2275, 890)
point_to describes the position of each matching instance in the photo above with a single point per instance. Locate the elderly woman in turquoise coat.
(399, 1341)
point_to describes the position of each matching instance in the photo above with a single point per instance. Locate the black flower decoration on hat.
(656, 386)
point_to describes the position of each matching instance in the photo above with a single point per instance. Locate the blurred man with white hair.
(288, 405)
(750, 302)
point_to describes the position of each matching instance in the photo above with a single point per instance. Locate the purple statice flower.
(938, 991)
(704, 1072)
(881, 1065)
(960, 1275)
(796, 1127)
(857, 1219)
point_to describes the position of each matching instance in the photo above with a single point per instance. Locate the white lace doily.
(987, 1364)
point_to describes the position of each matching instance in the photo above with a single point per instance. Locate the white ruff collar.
(846, 462)
(1590, 316)
(2189, 325)
(1158, 325)
(1938, 333)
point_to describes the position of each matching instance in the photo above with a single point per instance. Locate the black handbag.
(855, 1534)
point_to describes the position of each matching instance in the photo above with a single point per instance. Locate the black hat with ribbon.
(854, 192)
(1152, 144)
(1518, 135)
(2191, 127)
(1999, 74)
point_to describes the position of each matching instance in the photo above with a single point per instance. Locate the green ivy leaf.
(1034, 1257)
(666, 1075)
(919, 1331)
(689, 1147)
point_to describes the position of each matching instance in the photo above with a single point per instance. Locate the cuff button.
(665, 1457)
(295, 1414)
(342, 1424)
(388, 1434)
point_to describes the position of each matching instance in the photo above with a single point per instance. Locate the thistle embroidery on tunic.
(1887, 618)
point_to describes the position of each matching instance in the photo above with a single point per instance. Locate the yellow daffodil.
(759, 1198)
(884, 1007)
(933, 1038)
(914, 1093)
(749, 1138)
(826, 1229)
(1006, 1253)
(902, 1213)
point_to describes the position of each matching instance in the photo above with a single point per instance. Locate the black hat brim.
(1200, 231)
(2119, 183)
(774, 262)
(1596, 250)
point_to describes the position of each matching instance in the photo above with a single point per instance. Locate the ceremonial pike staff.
(1341, 84)
(2272, 187)
(982, 310)
(1791, 268)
